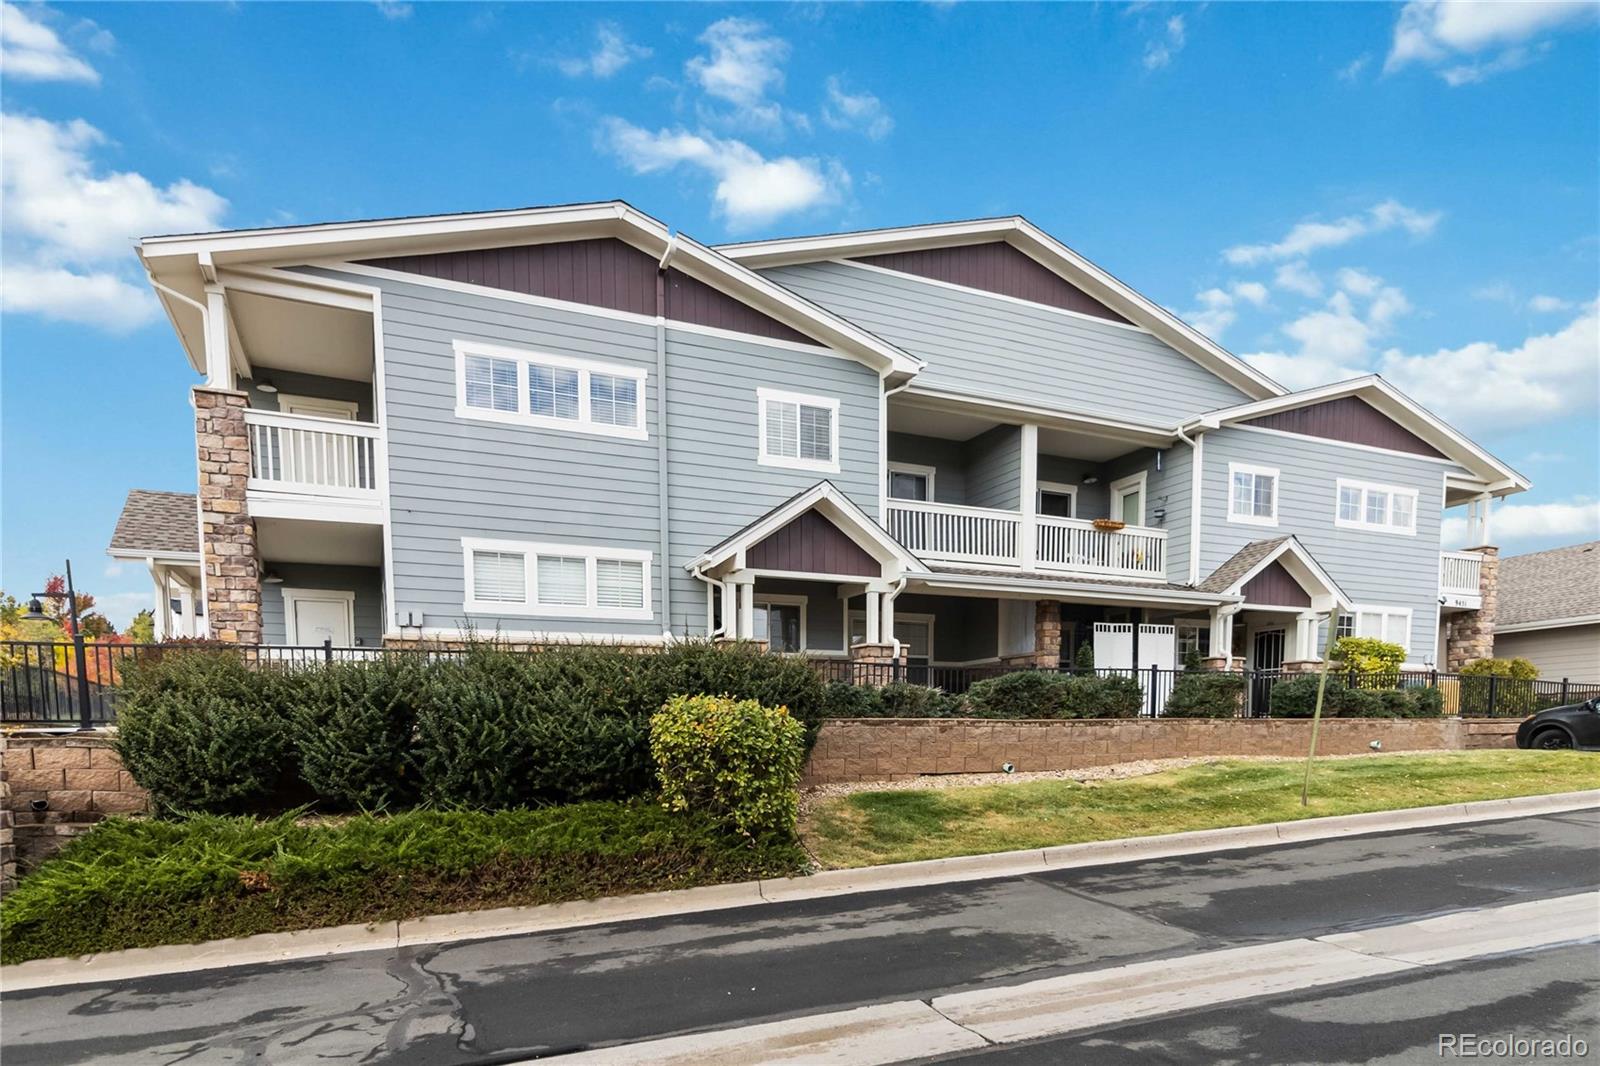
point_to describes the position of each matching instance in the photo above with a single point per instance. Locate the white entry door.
(318, 617)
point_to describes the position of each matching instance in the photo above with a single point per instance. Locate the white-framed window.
(1127, 498)
(506, 577)
(780, 621)
(911, 481)
(1392, 624)
(498, 384)
(1059, 500)
(797, 431)
(1252, 494)
(317, 407)
(915, 631)
(1384, 508)
(1194, 637)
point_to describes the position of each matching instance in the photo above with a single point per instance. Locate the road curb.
(512, 921)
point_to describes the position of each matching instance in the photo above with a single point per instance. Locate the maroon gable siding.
(1350, 419)
(1275, 587)
(996, 267)
(812, 545)
(603, 272)
(692, 300)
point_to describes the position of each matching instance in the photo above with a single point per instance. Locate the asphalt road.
(512, 998)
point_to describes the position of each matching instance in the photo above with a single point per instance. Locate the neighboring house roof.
(1496, 477)
(160, 524)
(1034, 242)
(185, 263)
(1541, 590)
(1235, 573)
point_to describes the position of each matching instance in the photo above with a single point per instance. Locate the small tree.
(1084, 660)
(142, 630)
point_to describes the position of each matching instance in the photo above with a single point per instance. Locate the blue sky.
(1327, 189)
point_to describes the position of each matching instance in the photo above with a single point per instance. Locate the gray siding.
(1373, 568)
(1092, 499)
(824, 610)
(287, 381)
(716, 486)
(986, 345)
(1571, 652)
(365, 581)
(1167, 485)
(947, 457)
(994, 469)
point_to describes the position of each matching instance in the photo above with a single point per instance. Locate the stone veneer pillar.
(870, 663)
(1470, 634)
(227, 533)
(1046, 653)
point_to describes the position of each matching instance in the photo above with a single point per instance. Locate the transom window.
(1252, 494)
(551, 391)
(1392, 624)
(801, 432)
(555, 580)
(1386, 508)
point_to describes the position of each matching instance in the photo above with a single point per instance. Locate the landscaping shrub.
(1367, 655)
(1206, 694)
(841, 699)
(1297, 697)
(734, 760)
(902, 699)
(204, 732)
(1108, 696)
(1520, 669)
(140, 883)
(1499, 687)
(353, 727)
(1023, 694)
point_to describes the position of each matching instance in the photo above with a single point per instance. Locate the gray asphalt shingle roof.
(157, 523)
(1544, 586)
(1243, 561)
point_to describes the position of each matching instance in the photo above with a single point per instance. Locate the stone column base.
(1302, 666)
(874, 664)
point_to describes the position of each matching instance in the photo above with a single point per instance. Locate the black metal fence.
(40, 682)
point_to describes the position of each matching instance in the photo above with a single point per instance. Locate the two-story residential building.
(953, 444)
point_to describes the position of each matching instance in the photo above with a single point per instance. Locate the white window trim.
(1374, 527)
(762, 599)
(530, 607)
(1277, 492)
(765, 458)
(584, 423)
(853, 616)
(1358, 609)
(293, 596)
(318, 407)
(1058, 488)
(906, 468)
(1119, 488)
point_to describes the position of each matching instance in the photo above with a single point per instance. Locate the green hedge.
(487, 728)
(1045, 694)
(1206, 694)
(898, 699)
(1297, 698)
(142, 883)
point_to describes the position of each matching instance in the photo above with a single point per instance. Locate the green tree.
(142, 630)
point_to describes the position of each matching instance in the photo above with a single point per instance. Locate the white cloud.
(1335, 341)
(1297, 277)
(1547, 304)
(69, 229)
(1297, 372)
(861, 111)
(750, 188)
(1251, 292)
(1159, 51)
(1334, 334)
(32, 51)
(742, 66)
(1358, 283)
(1217, 310)
(393, 9)
(1566, 521)
(1352, 70)
(1308, 237)
(612, 52)
(1454, 31)
(1496, 292)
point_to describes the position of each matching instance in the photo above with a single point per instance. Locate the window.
(908, 481)
(801, 432)
(1194, 638)
(1392, 624)
(1383, 508)
(1127, 499)
(1057, 500)
(555, 580)
(498, 384)
(914, 631)
(1252, 494)
(781, 622)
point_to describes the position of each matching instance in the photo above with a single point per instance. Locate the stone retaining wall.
(886, 749)
(58, 786)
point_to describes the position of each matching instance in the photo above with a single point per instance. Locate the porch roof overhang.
(1231, 577)
(1033, 585)
(1015, 412)
(826, 499)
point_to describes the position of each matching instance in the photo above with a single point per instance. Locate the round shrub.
(1095, 696)
(902, 699)
(1206, 694)
(734, 760)
(354, 725)
(1024, 694)
(841, 699)
(1426, 702)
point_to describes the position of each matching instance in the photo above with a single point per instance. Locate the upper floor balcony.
(985, 536)
(312, 455)
(1459, 574)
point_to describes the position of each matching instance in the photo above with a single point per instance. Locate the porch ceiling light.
(266, 385)
(1089, 479)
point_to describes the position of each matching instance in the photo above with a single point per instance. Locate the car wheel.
(1551, 739)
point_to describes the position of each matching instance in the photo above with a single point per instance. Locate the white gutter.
(714, 586)
(1196, 488)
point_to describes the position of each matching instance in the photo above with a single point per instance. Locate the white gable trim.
(833, 505)
(1304, 569)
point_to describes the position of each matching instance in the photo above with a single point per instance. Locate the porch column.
(747, 609)
(1221, 657)
(230, 571)
(886, 627)
(874, 617)
(1302, 657)
(219, 361)
(1469, 635)
(1027, 534)
(730, 610)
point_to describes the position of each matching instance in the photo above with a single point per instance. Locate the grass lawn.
(868, 828)
(142, 882)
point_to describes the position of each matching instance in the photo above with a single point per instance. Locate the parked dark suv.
(1577, 725)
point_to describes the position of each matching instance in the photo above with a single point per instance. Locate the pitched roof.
(1244, 560)
(157, 523)
(1546, 586)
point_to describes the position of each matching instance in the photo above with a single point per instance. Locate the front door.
(1266, 660)
(318, 621)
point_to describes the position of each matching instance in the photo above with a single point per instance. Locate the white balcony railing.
(315, 456)
(955, 533)
(951, 533)
(1459, 573)
(1074, 544)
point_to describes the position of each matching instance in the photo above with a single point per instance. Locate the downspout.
(664, 509)
(714, 587)
(1196, 487)
(892, 595)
